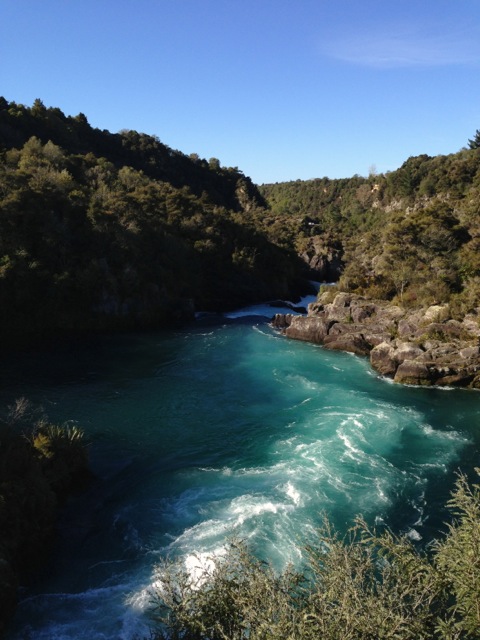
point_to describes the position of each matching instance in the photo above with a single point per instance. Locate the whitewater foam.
(293, 493)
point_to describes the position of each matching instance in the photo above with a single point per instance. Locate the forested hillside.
(102, 230)
(411, 235)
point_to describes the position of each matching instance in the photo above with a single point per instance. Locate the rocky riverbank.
(420, 347)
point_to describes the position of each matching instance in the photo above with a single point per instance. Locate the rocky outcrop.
(324, 259)
(421, 347)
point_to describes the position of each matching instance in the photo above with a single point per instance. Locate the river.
(225, 428)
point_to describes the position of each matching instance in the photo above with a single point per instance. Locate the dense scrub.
(99, 230)
(40, 466)
(365, 586)
(411, 234)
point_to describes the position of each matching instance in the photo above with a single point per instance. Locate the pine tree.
(474, 143)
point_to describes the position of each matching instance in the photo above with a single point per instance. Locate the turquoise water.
(225, 429)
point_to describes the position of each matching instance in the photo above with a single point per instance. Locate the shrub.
(39, 465)
(457, 559)
(363, 586)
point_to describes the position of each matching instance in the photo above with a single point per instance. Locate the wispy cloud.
(390, 48)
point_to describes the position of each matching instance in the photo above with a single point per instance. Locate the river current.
(225, 429)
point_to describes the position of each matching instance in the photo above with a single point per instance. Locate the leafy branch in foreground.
(362, 586)
(457, 559)
(232, 596)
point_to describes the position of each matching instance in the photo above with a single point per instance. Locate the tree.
(38, 108)
(214, 164)
(474, 143)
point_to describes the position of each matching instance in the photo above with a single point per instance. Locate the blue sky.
(284, 90)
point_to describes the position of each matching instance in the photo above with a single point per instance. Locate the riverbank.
(419, 347)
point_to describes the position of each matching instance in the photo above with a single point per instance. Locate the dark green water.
(226, 429)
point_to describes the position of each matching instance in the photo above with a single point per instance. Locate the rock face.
(421, 347)
(324, 259)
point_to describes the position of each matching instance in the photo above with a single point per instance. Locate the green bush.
(363, 586)
(40, 464)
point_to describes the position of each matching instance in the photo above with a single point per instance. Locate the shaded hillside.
(99, 230)
(411, 235)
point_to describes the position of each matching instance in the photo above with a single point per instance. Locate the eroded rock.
(411, 372)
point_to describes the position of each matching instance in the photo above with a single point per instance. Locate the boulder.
(468, 353)
(407, 351)
(411, 372)
(436, 313)
(337, 313)
(441, 330)
(471, 324)
(362, 313)
(282, 320)
(389, 313)
(350, 342)
(406, 327)
(460, 379)
(375, 336)
(343, 299)
(307, 328)
(338, 328)
(382, 359)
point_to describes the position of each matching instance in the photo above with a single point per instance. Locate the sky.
(281, 89)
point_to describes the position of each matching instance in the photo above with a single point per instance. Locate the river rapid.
(225, 428)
